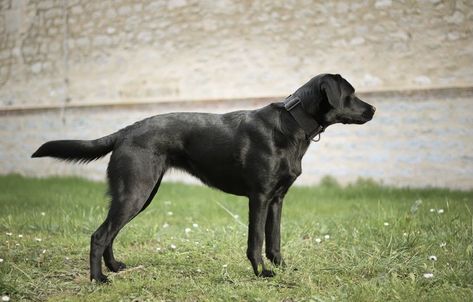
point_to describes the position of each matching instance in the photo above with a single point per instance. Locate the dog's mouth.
(366, 116)
(357, 117)
(361, 119)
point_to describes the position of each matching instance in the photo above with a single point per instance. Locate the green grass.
(363, 260)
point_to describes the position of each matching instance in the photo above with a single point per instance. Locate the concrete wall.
(414, 140)
(125, 50)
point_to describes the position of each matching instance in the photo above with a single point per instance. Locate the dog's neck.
(294, 105)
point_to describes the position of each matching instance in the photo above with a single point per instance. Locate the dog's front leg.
(258, 211)
(273, 232)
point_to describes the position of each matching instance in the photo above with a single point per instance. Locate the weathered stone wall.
(56, 53)
(52, 51)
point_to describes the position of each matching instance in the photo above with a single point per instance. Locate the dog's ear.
(330, 86)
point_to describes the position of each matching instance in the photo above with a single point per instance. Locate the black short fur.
(252, 153)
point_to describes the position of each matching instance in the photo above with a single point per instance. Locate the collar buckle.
(315, 137)
(310, 126)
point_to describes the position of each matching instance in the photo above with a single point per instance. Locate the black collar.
(310, 126)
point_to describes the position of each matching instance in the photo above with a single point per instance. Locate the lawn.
(364, 242)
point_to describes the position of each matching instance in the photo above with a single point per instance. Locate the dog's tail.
(82, 151)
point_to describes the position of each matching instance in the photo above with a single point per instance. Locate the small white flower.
(38, 239)
(5, 298)
(66, 258)
(17, 244)
(225, 265)
(195, 225)
(327, 237)
(318, 240)
(173, 246)
(199, 271)
(20, 236)
(169, 213)
(9, 234)
(165, 225)
(432, 210)
(158, 249)
(43, 214)
(443, 244)
(433, 258)
(44, 251)
(197, 242)
(1, 260)
(428, 275)
(440, 211)
(236, 216)
(386, 223)
(187, 230)
(404, 234)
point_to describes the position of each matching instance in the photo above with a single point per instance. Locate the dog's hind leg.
(134, 179)
(110, 262)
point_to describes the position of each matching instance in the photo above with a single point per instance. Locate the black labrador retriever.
(252, 153)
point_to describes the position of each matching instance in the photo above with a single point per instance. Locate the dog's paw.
(116, 266)
(267, 274)
(101, 279)
(276, 259)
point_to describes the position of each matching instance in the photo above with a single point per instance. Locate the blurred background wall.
(83, 68)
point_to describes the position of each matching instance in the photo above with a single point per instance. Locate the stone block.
(53, 12)
(5, 54)
(173, 4)
(380, 4)
(54, 46)
(53, 31)
(456, 18)
(58, 21)
(77, 10)
(453, 36)
(101, 40)
(357, 41)
(13, 19)
(145, 36)
(124, 10)
(36, 68)
(422, 80)
(111, 13)
(83, 42)
(138, 7)
(47, 66)
(370, 80)
(45, 4)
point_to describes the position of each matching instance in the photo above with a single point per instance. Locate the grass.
(363, 260)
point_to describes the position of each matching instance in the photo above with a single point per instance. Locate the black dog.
(254, 153)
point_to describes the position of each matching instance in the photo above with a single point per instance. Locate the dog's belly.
(223, 175)
(227, 183)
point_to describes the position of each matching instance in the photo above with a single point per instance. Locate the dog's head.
(331, 99)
